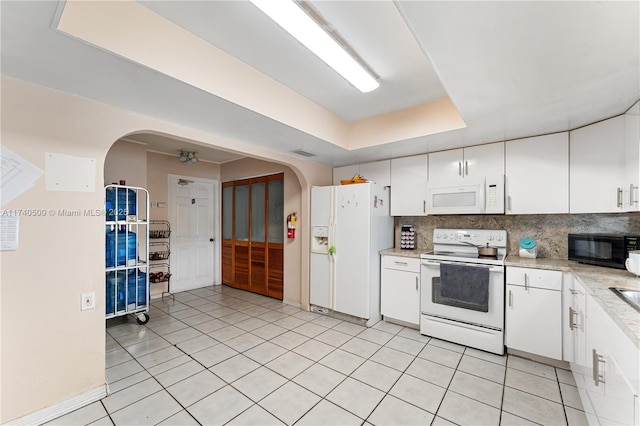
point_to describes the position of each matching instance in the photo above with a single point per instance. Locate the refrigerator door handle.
(332, 265)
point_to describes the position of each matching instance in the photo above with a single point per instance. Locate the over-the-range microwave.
(471, 196)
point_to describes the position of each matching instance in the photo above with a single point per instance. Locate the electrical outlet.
(88, 301)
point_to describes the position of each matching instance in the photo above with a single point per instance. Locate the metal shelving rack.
(127, 252)
(160, 251)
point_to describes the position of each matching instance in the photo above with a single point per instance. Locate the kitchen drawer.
(401, 263)
(536, 278)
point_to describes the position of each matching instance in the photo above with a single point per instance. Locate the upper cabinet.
(537, 175)
(345, 172)
(376, 171)
(409, 185)
(472, 162)
(597, 166)
(631, 192)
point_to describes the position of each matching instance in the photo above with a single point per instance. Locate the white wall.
(51, 351)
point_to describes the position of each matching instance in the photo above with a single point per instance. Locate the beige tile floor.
(218, 355)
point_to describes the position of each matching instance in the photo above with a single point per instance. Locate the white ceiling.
(512, 69)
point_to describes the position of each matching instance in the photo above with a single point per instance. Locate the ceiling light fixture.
(188, 156)
(296, 22)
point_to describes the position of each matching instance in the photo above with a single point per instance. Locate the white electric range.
(468, 308)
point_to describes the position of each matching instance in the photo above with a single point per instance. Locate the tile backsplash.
(549, 230)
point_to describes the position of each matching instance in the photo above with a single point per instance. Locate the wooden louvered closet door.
(253, 235)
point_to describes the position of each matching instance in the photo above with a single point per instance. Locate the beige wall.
(160, 166)
(51, 351)
(126, 161)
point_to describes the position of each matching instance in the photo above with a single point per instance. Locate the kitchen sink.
(632, 297)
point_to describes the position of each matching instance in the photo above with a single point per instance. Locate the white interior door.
(191, 213)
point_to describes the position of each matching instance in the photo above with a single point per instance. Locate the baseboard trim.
(61, 408)
(294, 304)
(541, 359)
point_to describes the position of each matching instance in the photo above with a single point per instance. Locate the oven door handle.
(433, 264)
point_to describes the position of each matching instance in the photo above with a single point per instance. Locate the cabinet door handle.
(466, 168)
(597, 360)
(459, 168)
(573, 291)
(400, 263)
(417, 278)
(572, 324)
(526, 281)
(510, 299)
(509, 202)
(424, 206)
(619, 197)
(631, 189)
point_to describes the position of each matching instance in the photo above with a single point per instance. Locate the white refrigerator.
(350, 224)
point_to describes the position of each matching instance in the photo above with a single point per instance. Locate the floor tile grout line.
(504, 381)
(334, 348)
(435, 414)
(106, 411)
(391, 387)
(146, 396)
(161, 385)
(564, 407)
(314, 362)
(257, 402)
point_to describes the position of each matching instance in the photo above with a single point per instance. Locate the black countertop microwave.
(610, 250)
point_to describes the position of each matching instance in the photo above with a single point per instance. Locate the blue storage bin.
(115, 292)
(137, 286)
(120, 202)
(120, 247)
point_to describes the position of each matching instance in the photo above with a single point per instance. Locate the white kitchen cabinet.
(375, 171)
(472, 162)
(534, 311)
(345, 172)
(574, 326)
(537, 175)
(631, 190)
(597, 167)
(610, 387)
(400, 289)
(409, 185)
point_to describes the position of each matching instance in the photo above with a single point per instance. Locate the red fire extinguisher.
(291, 226)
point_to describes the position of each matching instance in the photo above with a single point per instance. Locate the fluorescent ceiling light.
(297, 23)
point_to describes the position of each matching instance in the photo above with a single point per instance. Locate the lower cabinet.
(400, 289)
(574, 326)
(534, 311)
(549, 313)
(608, 384)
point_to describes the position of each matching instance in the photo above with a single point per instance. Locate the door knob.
(211, 239)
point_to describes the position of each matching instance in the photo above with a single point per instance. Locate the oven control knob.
(499, 238)
(490, 238)
(445, 236)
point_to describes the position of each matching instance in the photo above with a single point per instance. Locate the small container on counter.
(528, 248)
